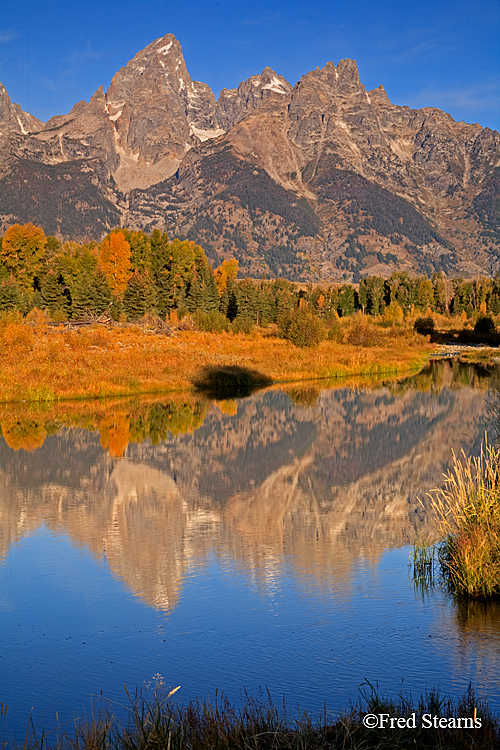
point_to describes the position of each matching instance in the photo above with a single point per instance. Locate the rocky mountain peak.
(13, 118)
(234, 104)
(322, 180)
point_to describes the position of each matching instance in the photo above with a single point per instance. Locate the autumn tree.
(23, 252)
(114, 262)
(226, 272)
(140, 250)
(73, 261)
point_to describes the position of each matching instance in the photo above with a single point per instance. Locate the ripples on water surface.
(234, 545)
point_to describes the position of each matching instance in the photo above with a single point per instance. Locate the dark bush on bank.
(484, 325)
(424, 326)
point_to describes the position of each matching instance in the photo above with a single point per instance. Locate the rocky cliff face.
(324, 180)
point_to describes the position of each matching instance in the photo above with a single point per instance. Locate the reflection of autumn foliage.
(160, 419)
(115, 434)
(229, 407)
(118, 424)
(26, 434)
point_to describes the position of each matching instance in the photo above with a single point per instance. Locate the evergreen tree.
(101, 293)
(53, 294)
(139, 296)
(194, 296)
(83, 298)
(10, 294)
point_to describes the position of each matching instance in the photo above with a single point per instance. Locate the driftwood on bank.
(149, 322)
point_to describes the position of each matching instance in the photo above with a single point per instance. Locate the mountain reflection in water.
(312, 484)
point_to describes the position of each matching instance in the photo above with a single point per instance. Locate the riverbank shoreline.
(42, 363)
(374, 722)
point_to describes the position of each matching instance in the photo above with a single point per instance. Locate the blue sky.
(444, 53)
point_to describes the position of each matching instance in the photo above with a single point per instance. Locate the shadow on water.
(231, 381)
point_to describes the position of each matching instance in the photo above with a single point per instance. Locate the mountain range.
(322, 181)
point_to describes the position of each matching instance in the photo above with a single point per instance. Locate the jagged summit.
(322, 180)
(13, 118)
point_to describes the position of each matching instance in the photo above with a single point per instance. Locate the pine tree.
(193, 299)
(139, 296)
(101, 293)
(53, 294)
(83, 298)
(10, 295)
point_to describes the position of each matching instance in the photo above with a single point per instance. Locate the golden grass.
(468, 514)
(40, 363)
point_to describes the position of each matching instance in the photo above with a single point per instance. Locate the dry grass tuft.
(468, 514)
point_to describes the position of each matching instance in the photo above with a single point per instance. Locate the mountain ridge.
(320, 181)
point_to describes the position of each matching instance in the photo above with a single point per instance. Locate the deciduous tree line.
(131, 273)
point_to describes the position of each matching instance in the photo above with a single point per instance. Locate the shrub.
(335, 331)
(187, 323)
(214, 322)
(484, 325)
(302, 328)
(424, 326)
(365, 334)
(242, 324)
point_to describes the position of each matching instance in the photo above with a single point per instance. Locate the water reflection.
(248, 533)
(314, 480)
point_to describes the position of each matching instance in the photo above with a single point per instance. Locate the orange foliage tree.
(228, 271)
(23, 252)
(114, 262)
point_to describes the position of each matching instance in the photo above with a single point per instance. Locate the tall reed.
(468, 513)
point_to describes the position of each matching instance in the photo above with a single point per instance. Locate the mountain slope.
(324, 180)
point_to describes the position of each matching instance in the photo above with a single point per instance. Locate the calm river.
(226, 546)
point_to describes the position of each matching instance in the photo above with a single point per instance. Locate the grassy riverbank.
(44, 363)
(431, 722)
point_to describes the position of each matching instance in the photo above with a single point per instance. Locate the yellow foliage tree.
(114, 262)
(228, 271)
(22, 252)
